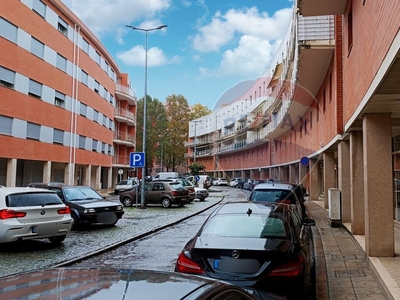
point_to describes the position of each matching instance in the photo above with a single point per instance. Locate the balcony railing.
(125, 93)
(124, 137)
(125, 116)
(121, 160)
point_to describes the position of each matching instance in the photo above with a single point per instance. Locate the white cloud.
(102, 16)
(155, 57)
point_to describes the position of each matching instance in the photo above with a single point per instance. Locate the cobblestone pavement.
(30, 255)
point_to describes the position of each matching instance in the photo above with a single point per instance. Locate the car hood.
(101, 283)
(92, 203)
(228, 243)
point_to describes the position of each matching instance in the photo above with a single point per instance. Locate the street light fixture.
(194, 148)
(142, 199)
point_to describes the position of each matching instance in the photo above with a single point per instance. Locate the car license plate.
(184, 199)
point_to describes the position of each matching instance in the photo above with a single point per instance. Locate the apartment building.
(67, 113)
(325, 113)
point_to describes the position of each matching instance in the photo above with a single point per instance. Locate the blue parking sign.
(136, 159)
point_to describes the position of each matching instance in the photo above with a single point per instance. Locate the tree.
(199, 110)
(177, 110)
(156, 128)
(196, 168)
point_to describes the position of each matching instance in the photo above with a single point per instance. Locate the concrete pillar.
(378, 185)
(11, 172)
(357, 183)
(302, 174)
(109, 178)
(314, 187)
(344, 179)
(87, 180)
(292, 173)
(47, 171)
(329, 175)
(98, 178)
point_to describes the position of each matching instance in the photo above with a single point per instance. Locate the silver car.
(32, 213)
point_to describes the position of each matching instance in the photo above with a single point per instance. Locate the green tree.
(196, 168)
(156, 128)
(198, 110)
(177, 110)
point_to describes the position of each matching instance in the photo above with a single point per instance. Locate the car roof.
(16, 190)
(274, 186)
(242, 207)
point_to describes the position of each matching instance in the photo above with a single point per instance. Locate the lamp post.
(194, 146)
(142, 198)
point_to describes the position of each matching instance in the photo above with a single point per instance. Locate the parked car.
(234, 182)
(273, 180)
(164, 192)
(166, 175)
(266, 246)
(254, 183)
(201, 193)
(189, 186)
(125, 185)
(112, 283)
(279, 192)
(220, 181)
(247, 184)
(32, 213)
(86, 205)
(240, 184)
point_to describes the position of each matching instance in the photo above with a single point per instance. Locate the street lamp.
(142, 199)
(194, 148)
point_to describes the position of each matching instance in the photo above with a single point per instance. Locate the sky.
(208, 47)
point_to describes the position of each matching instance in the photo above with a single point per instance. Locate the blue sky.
(208, 47)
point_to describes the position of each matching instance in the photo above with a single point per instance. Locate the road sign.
(120, 171)
(136, 159)
(305, 161)
(196, 177)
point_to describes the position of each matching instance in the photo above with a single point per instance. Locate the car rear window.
(175, 185)
(32, 199)
(244, 226)
(273, 195)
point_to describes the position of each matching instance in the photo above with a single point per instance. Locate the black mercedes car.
(265, 246)
(86, 205)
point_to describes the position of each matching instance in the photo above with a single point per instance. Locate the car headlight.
(89, 210)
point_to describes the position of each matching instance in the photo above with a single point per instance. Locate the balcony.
(124, 138)
(120, 161)
(125, 93)
(124, 116)
(321, 7)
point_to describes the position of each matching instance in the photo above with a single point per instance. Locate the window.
(94, 145)
(112, 75)
(5, 125)
(85, 46)
(35, 89)
(104, 120)
(39, 7)
(96, 86)
(84, 77)
(61, 63)
(96, 116)
(33, 131)
(7, 77)
(97, 57)
(59, 99)
(103, 148)
(106, 94)
(111, 125)
(110, 149)
(107, 68)
(82, 141)
(8, 30)
(37, 48)
(83, 109)
(58, 136)
(62, 26)
(111, 99)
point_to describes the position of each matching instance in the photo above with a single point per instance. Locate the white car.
(220, 181)
(234, 182)
(125, 185)
(33, 213)
(201, 193)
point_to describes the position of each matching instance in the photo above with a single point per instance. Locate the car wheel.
(166, 202)
(56, 240)
(127, 201)
(202, 199)
(75, 221)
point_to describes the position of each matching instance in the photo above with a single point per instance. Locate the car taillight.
(185, 265)
(10, 214)
(292, 268)
(64, 211)
(174, 193)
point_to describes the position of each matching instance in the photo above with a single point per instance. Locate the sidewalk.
(343, 271)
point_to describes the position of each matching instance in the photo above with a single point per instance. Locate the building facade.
(325, 113)
(68, 113)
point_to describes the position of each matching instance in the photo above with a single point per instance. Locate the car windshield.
(244, 226)
(273, 195)
(33, 199)
(81, 193)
